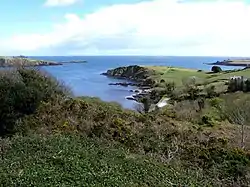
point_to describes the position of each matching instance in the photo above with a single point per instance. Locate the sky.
(125, 27)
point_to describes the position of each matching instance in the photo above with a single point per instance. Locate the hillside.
(158, 76)
(50, 138)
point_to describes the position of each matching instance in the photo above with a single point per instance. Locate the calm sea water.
(85, 80)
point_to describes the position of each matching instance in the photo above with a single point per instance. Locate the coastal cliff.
(23, 61)
(135, 73)
(141, 77)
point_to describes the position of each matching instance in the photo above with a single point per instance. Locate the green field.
(180, 75)
(173, 74)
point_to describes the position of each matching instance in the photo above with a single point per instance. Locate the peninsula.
(235, 62)
(24, 61)
(156, 81)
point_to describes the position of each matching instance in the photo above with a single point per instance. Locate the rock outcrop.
(135, 73)
(140, 76)
(23, 61)
(125, 84)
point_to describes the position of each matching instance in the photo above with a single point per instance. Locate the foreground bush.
(76, 161)
(21, 92)
(152, 134)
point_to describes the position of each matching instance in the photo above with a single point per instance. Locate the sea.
(85, 79)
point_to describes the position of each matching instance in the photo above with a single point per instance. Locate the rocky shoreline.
(140, 77)
(135, 73)
(73, 62)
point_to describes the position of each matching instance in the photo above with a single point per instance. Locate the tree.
(144, 106)
(237, 112)
(170, 87)
(191, 88)
(211, 91)
(201, 104)
(247, 85)
(216, 69)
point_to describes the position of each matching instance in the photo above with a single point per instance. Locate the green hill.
(49, 138)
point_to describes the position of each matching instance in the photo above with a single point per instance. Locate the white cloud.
(60, 2)
(158, 27)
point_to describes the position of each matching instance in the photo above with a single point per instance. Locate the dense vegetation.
(52, 139)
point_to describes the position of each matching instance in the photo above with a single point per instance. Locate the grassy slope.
(177, 75)
(202, 158)
(75, 161)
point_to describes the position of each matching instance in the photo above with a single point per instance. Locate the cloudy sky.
(125, 27)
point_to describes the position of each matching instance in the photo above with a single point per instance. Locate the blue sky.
(125, 27)
(30, 16)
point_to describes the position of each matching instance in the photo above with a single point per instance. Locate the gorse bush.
(191, 88)
(210, 90)
(21, 92)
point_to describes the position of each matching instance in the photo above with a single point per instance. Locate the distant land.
(74, 61)
(235, 62)
(6, 61)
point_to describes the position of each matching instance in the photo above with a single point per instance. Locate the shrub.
(146, 103)
(21, 92)
(207, 120)
(157, 94)
(191, 88)
(236, 109)
(216, 69)
(187, 111)
(210, 90)
(216, 102)
(170, 87)
(201, 104)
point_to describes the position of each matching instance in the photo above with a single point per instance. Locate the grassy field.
(173, 74)
(179, 75)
